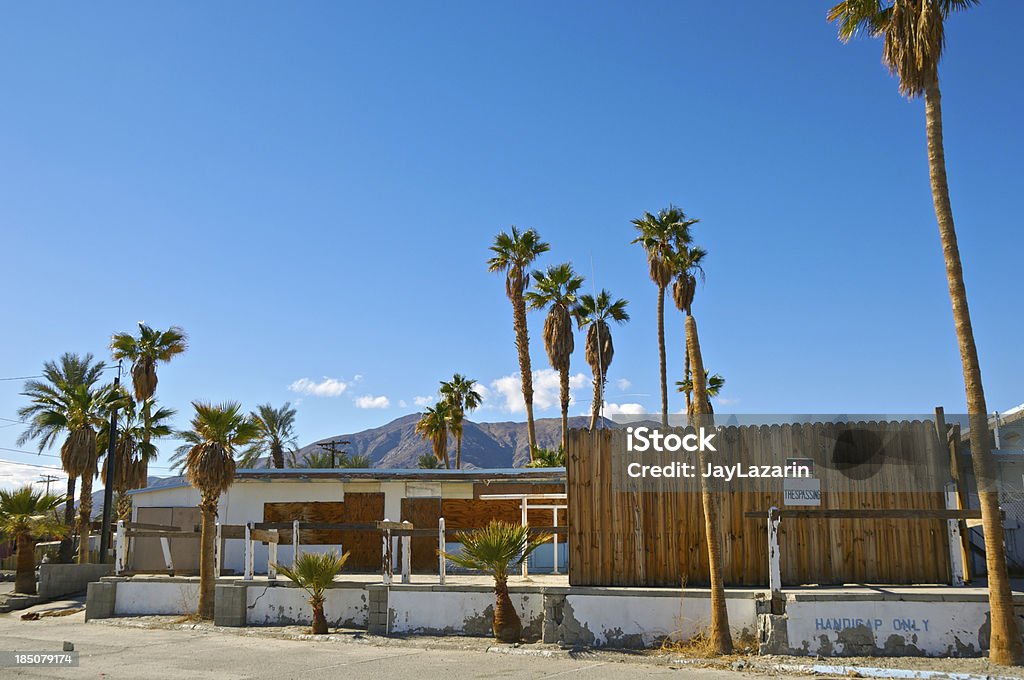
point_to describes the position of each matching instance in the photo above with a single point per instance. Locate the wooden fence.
(628, 534)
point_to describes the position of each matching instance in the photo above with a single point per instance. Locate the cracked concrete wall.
(634, 621)
(883, 628)
(449, 612)
(285, 606)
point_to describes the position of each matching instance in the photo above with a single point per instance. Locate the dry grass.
(700, 646)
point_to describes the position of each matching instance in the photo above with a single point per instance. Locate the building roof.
(523, 475)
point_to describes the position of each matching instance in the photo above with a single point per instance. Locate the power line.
(23, 377)
(33, 465)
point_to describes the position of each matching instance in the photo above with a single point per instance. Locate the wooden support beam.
(869, 513)
(163, 534)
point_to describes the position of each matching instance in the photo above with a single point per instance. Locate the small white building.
(347, 496)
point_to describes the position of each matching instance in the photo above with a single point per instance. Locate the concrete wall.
(285, 606)
(149, 596)
(887, 628)
(65, 579)
(449, 611)
(637, 618)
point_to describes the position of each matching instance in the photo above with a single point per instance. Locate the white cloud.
(545, 390)
(328, 387)
(631, 409)
(623, 384)
(370, 401)
(727, 401)
(402, 403)
(14, 476)
(423, 402)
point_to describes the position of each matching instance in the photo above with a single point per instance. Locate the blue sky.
(310, 192)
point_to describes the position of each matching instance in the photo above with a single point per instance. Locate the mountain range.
(484, 445)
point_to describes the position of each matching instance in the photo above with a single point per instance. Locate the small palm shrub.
(314, 573)
(498, 549)
(25, 515)
(547, 458)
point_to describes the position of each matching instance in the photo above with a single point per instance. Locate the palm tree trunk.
(277, 456)
(319, 619)
(458, 452)
(84, 518)
(1006, 646)
(525, 369)
(686, 368)
(661, 356)
(124, 506)
(25, 567)
(721, 638)
(595, 406)
(207, 561)
(563, 386)
(507, 626)
(66, 551)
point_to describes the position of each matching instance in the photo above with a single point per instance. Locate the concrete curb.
(874, 672)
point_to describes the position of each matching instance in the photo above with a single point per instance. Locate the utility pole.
(332, 446)
(108, 483)
(48, 479)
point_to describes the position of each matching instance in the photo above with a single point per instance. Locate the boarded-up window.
(357, 508)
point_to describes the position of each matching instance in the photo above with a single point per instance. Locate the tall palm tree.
(276, 436)
(594, 313)
(433, 425)
(497, 549)
(661, 236)
(513, 254)
(558, 287)
(27, 514)
(68, 400)
(700, 417)
(47, 416)
(218, 431)
(144, 352)
(460, 393)
(913, 39)
(688, 266)
(713, 386)
(134, 448)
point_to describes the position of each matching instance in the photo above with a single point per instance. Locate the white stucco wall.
(935, 628)
(280, 606)
(457, 612)
(615, 619)
(141, 598)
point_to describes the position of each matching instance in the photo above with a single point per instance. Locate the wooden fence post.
(442, 564)
(272, 556)
(217, 557)
(120, 548)
(248, 552)
(956, 556)
(407, 557)
(387, 567)
(554, 540)
(523, 506)
(774, 557)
